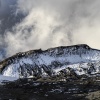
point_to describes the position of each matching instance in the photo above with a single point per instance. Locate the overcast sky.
(34, 24)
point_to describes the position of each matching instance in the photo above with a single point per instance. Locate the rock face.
(59, 73)
(62, 62)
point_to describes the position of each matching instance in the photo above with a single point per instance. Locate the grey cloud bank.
(50, 23)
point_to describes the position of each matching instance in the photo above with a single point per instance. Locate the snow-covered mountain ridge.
(64, 60)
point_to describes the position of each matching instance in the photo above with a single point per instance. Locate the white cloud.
(50, 23)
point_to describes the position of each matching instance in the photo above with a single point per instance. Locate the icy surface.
(80, 58)
(6, 78)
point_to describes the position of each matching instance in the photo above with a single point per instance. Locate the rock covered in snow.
(65, 60)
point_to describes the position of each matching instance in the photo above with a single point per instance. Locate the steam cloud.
(51, 23)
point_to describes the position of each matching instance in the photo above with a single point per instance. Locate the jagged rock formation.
(62, 62)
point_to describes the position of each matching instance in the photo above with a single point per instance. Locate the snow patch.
(6, 78)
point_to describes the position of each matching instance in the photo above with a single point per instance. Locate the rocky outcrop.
(60, 62)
